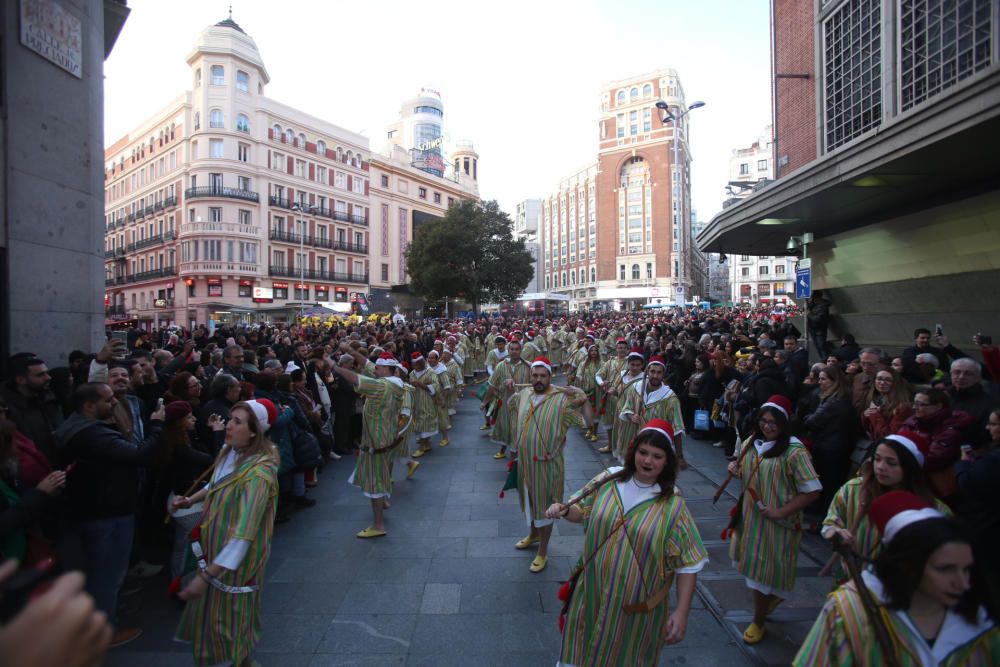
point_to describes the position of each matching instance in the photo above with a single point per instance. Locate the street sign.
(803, 283)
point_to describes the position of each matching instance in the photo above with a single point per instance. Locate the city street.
(447, 587)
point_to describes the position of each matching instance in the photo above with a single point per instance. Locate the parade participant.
(529, 350)
(922, 605)
(639, 534)
(651, 398)
(896, 465)
(779, 482)
(380, 433)
(455, 378)
(427, 387)
(555, 340)
(584, 377)
(543, 414)
(618, 385)
(443, 397)
(222, 617)
(509, 372)
(494, 357)
(607, 379)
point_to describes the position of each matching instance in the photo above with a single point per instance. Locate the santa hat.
(915, 443)
(590, 335)
(543, 362)
(779, 403)
(637, 353)
(893, 511)
(265, 412)
(515, 332)
(386, 359)
(530, 335)
(415, 357)
(438, 341)
(657, 359)
(621, 340)
(500, 337)
(661, 426)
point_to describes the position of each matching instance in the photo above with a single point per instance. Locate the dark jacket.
(946, 432)
(763, 385)
(847, 353)
(833, 427)
(977, 402)
(103, 480)
(35, 417)
(979, 506)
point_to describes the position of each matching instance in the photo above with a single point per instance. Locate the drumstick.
(729, 476)
(194, 485)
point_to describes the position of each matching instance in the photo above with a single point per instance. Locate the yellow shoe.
(754, 633)
(484, 427)
(420, 452)
(370, 532)
(593, 437)
(526, 542)
(443, 443)
(411, 468)
(499, 455)
(539, 563)
(604, 450)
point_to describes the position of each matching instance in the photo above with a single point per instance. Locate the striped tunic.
(611, 374)
(842, 636)
(457, 381)
(661, 403)
(530, 351)
(425, 422)
(844, 513)
(443, 395)
(765, 551)
(478, 354)
(556, 348)
(635, 562)
(380, 427)
(520, 372)
(539, 436)
(493, 359)
(585, 377)
(224, 627)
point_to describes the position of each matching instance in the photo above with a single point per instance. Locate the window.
(302, 140)
(280, 292)
(385, 181)
(763, 270)
(385, 273)
(359, 185)
(852, 68)
(215, 214)
(779, 269)
(215, 148)
(215, 118)
(649, 269)
(242, 82)
(197, 121)
(278, 161)
(218, 75)
(320, 174)
(321, 147)
(621, 97)
(647, 90)
(340, 179)
(300, 168)
(633, 94)
(243, 183)
(242, 123)
(197, 77)
(245, 216)
(744, 169)
(245, 289)
(635, 272)
(301, 292)
(761, 165)
(289, 136)
(437, 197)
(422, 193)
(276, 132)
(243, 152)
(745, 272)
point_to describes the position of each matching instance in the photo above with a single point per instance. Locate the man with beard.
(31, 405)
(509, 372)
(543, 414)
(651, 398)
(444, 393)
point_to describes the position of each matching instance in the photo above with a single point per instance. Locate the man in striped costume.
(455, 377)
(380, 431)
(543, 414)
(608, 377)
(647, 399)
(509, 372)
(444, 392)
(426, 387)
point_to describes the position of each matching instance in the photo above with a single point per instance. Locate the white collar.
(763, 447)
(395, 380)
(656, 395)
(500, 355)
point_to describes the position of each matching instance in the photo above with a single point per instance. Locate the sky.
(520, 78)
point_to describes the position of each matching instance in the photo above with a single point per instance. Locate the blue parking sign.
(803, 283)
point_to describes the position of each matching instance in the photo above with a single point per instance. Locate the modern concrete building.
(526, 223)
(887, 131)
(613, 232)
(231, 206)
(51, 132)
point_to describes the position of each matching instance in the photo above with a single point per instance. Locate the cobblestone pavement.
(446, 586)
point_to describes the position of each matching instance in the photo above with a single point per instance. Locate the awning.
(944, 151)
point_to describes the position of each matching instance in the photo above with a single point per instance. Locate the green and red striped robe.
(380, 427)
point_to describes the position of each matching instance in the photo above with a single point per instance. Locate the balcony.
(226, 193)
(170, 201)
(165, 272)
(311, 274)
(151, 241)
(215, 268)
(218, 227)
(115, 312)
(149, 210)
(318, 242)
(118, 253)
(322, 211)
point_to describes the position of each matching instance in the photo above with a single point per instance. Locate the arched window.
(242, 123)
(218, 75)
(197, 120)
(621, 97)
(572, 277)
(215, 118)
(289, 136)
(350, 157)
(340, 154)
(633, 94)
(302, 140)
(276, 132)
(647, 90)
(634, 173)
(321, 147)
(548, 282)
(242, 81)
(635, 272)
(593, 274)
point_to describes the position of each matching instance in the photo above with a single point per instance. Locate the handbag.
(701, 420)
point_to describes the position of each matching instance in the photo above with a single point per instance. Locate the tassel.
(501, 495)
(196, 533)
(174, 588)
(564, 591)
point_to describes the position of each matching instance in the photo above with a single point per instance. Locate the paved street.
(447, 587)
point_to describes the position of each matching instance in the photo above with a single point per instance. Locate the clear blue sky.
(520, 78)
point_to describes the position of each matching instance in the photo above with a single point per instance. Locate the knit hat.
(543, 363)
(779, 403)
(176, 410)
(893, 511)
(265, 411)
(915, 443)
(661, 426)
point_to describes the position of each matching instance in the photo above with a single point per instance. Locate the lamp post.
(794, 243)
(297, 208)
(676, 187)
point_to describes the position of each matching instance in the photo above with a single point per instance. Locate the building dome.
(227, 38)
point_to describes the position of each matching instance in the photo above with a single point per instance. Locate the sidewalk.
(446, 586)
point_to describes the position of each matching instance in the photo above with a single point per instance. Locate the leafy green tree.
(471, 254)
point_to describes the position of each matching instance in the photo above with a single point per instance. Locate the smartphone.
(938, 330)
(159, 404)
(123, 337)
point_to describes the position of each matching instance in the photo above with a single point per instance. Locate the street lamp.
(670, 117)
(298, 208)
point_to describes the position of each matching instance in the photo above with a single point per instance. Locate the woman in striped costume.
(639, 535)
(779, 482)
(926, 592)
(897, 464)
(222, 617)
(584, 376)
(650, 398)
(543, 414)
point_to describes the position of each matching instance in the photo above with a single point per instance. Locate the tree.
(471, 254)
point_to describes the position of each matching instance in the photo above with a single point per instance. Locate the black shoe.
(301, 501)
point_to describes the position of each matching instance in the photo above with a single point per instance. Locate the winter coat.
(945, 430)
(35, 417)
